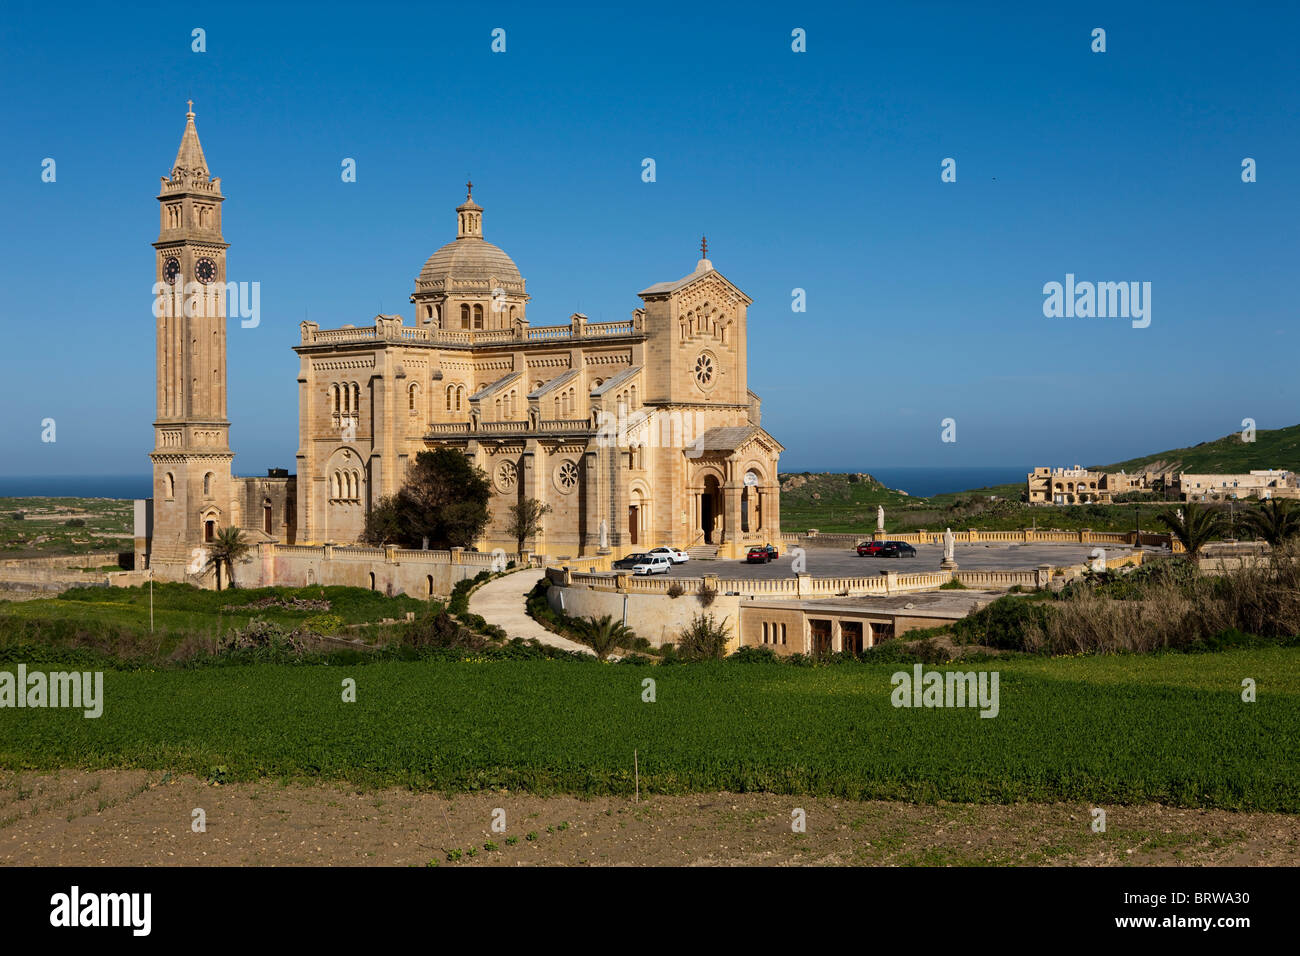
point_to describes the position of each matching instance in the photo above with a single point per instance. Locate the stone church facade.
(635, 433)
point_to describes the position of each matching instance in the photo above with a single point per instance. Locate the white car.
(653, 564)
(672, 554)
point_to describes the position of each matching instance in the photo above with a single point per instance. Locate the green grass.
(122, 614)
(1169, 728)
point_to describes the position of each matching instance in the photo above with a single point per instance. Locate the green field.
(1169, 728)
(43, 528)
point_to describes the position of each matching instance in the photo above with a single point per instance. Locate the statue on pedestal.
(880, 519)
(949, 562)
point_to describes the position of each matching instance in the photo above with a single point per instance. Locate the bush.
(75, 523)
(439, 630)
(705, 638)
(706, 595)
(1009, 623)
(18, 516)
(261, 635)
(754, 655)
(675, 590)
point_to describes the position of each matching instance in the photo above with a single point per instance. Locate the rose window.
(566, 476)
(507, 475)
(704, 370)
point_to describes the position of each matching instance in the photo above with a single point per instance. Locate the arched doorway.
(711, 510)
(267, 519)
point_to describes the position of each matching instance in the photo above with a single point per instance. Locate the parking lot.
(834, 563)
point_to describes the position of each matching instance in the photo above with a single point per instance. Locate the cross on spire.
(190, 105)
(704, 247)
(469, 189)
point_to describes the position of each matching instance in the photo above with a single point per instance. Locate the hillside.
(1275, 448)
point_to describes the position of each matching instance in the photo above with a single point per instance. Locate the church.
(636, 433)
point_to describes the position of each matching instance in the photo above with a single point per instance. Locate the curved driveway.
(501, 602)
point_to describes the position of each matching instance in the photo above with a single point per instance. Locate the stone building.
(636, 433)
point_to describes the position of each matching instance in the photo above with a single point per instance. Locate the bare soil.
(130, 818)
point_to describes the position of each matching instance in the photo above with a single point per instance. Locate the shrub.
(675, 590)
(439, 630)
(706, 595)
(705, 638)
(754, 655)
(324, 624)
(75, 523)
(1009, 623)
(262, 635)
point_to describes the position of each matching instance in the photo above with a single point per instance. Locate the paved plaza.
(836, 562)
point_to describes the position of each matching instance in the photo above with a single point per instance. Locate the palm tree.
(224, 550)
(1194, 529)
(604, 634)
(1274, 521)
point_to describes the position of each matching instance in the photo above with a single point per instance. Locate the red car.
(764, 554)
(869, 549)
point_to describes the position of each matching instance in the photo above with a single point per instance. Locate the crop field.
(35, 527)
(1168, 728)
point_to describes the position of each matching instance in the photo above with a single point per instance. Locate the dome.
(470, 258)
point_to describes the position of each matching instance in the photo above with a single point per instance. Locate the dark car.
(761, 555)
(897, 549)
(628, 563)
(868, 549)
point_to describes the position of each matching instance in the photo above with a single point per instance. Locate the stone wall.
(392, 570)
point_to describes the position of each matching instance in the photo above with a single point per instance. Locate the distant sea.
(76, 486)
(915, 481)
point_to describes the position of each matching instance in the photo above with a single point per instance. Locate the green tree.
(1274, 521)
(224, 550)
(1196, 527)
(604, 634)
(524, 519)
(445, 498)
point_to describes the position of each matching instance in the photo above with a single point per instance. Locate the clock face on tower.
(171, 268)
(206, 270)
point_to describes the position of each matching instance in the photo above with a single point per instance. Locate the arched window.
(372, 580)
(460, 396)
(334, 485)
(632, 401)
(412, 395)
(356, 398)
(334, 398)
(428, 312)
(428, 583)
(464, 316)
(478, 316)
(450, 391)
(207, 484)
(171, 485)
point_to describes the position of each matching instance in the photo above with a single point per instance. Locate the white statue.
(949, 545)
(604, 534)
(1098, 562)
(880, 517)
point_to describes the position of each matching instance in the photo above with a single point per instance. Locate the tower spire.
(189, 158)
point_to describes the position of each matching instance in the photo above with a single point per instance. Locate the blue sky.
(816, 170)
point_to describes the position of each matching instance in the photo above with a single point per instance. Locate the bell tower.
(193, 493)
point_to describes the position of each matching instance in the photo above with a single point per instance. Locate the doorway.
(821, 637)
(710, 506)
